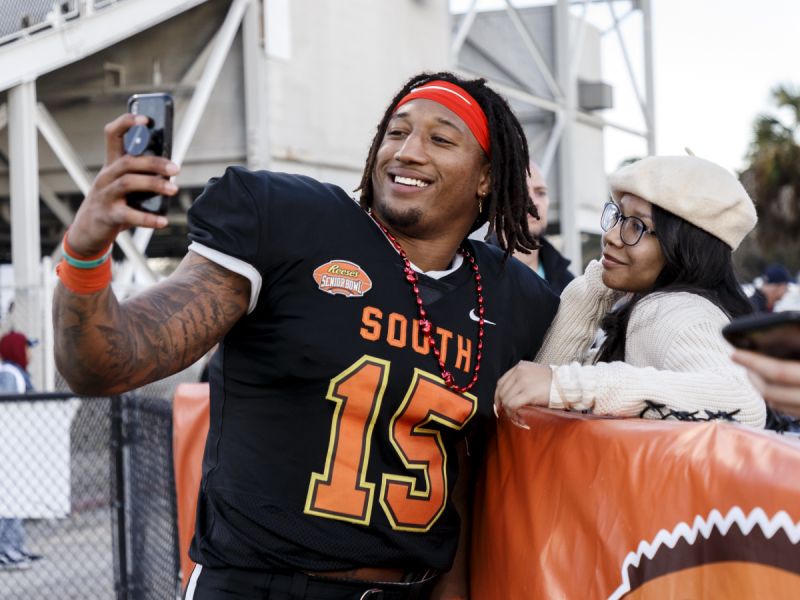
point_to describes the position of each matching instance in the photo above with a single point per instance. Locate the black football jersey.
(332, 441)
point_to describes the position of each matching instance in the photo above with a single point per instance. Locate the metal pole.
(197, 105)
(23, 162)
(120, 506)
(256, 107)
(566, 176)
(536, 54)
(24, 184)
(47, 352)
(463, 31)
(650, 96)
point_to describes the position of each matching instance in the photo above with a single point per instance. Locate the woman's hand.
(104, 212)
(526, 384)
(777, 380)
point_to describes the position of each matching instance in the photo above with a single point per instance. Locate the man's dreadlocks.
(508, 203)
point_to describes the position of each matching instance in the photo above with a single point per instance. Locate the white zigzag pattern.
(704, 527)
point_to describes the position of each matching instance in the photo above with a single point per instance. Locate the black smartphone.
(775, 334)
(154, 138)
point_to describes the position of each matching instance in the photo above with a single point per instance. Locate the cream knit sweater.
(674, 355)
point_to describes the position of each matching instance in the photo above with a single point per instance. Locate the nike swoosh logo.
(474, 316)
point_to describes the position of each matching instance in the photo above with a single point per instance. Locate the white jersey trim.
(189, 595)
(233, 264)
(458, 260)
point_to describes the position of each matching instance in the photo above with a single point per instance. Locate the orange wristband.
(70, 252)
(84, 281)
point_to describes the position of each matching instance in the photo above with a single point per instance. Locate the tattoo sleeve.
(105, 347)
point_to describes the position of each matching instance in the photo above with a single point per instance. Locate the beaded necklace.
(424, 323)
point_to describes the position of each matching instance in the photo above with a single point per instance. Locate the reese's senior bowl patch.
(342, 277)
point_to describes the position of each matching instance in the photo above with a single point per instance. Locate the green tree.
(773, 181)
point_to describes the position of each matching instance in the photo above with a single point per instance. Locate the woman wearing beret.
(661, 293)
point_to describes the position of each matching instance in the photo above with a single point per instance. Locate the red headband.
(455, 98)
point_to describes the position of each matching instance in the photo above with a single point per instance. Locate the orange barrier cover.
(583, 507)
(189, 431)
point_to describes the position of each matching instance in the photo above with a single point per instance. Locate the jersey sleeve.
(225, 227)
(250, 222)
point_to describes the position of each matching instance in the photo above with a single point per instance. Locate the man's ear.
(485, 181)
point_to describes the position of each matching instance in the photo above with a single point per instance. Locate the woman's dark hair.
(695, 262)
(507, 205)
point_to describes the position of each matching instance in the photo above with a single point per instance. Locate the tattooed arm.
(104, 347)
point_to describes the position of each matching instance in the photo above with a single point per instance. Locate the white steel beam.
(47, 348)
(533, 50)
(57, 206)
(80, 175)
(23, 167)
(577, 45)
(558, 126)
(60, 145)
(255, 90)
(23, 174)
(567, 201)
(27, 59)
(628, 64)
(463, 31)
(197, 105)
(521, 95)
(546, 160)
(649, 86)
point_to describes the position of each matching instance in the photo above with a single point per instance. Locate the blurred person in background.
(15, 351)
(546, 261)
(14, 379)
(662, 292)
(774, 285)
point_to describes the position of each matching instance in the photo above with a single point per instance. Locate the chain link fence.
(150, 489)
(86, 484)
(91, 482)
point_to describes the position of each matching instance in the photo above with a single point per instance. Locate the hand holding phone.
(154, 138)
(773, 334)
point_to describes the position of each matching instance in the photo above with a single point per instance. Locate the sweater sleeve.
(676, 358)
(584, 302)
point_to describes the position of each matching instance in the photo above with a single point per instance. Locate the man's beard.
(398, 219)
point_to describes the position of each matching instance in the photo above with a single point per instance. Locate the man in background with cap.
(15, 350)
(775, 283)
(14, 379)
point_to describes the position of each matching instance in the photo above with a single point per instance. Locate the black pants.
(239, 584)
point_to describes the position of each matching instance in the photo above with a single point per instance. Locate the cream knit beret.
(692, 188)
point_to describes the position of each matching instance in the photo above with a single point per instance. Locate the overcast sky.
(715, 64)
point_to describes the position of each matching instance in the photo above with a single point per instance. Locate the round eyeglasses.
(631, 228)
